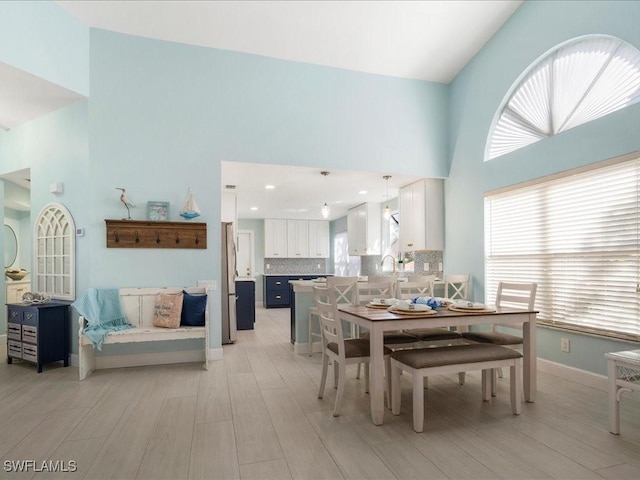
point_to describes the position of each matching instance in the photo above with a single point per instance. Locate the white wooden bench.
(423, 362)
(138, 305)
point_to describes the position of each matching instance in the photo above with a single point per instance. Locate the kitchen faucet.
(395, 272)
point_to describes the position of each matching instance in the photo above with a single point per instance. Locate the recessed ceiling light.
(254, 208)
(362, 192)
(269, 187)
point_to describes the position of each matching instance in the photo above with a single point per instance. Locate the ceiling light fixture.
(325, 208)
(269, 187)
(386, 212)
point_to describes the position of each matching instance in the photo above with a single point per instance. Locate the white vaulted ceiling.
(427, 40)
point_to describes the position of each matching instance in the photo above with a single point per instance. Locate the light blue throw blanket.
(103, 311)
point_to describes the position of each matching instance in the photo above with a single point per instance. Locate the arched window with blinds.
(578, 81)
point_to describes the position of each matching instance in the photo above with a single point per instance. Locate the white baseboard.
(137, 360)
(215, 354)
(573, 374)
(303, 348)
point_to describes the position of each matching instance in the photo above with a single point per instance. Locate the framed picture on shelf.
(158, 211)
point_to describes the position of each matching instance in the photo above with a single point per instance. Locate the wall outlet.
(319, 266)
(426, 266)
(268, 266)
(440, 266)
(564, 344)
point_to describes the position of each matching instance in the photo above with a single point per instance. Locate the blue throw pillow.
(193, 307)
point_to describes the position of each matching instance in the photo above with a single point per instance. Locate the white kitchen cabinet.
(275, 238)
(421, 209)
(364, 229)
(297, 238)
(15, 290)
(318, 239)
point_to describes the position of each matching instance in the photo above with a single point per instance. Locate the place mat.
(471, 310)
(411, 312)
(376, 305)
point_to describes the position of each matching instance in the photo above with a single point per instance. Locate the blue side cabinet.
(38, 333)
(245, 304)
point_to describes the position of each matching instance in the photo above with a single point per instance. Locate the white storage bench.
(138, 305)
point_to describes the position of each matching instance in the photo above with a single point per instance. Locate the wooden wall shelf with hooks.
(148, 234)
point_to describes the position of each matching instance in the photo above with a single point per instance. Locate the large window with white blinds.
(577, 237)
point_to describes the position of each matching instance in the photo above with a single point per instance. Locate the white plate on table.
(469, 305)
(411, 309)
(320, 280)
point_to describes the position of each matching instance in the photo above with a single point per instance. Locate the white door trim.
(252, 253)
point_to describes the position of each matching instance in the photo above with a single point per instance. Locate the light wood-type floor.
(256, 415)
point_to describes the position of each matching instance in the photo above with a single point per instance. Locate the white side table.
(624, 376)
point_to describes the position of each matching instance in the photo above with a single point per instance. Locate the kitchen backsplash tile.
(370, 264)
(295, 265)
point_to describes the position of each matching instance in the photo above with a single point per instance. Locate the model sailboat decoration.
(189, 208)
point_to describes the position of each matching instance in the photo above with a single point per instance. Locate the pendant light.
(325, 208)
(386, 212)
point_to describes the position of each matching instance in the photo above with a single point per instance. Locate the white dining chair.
(509, 294)
(456, 287)
(346, 289)
(341, 351)
(435, 336)
(385, 288)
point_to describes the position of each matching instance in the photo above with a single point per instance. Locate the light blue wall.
(534, 29)
(43, 39)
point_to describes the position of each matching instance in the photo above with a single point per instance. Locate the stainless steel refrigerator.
(228, 281)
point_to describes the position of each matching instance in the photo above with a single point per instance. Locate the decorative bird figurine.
(127, 203)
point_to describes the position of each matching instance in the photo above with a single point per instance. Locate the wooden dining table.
(378, 321)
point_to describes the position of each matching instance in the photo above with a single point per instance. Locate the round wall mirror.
(10, 246)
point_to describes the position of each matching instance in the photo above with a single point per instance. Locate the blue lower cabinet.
(276, 291)
(245, 305)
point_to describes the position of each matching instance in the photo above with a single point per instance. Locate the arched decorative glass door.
(54, 248)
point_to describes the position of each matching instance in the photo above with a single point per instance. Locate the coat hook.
(197, 239)
(157, 236)
(177, 238)
(117, 237)
(137, 237)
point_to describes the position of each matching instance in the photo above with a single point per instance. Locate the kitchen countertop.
(297, 274)
(245, 279)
